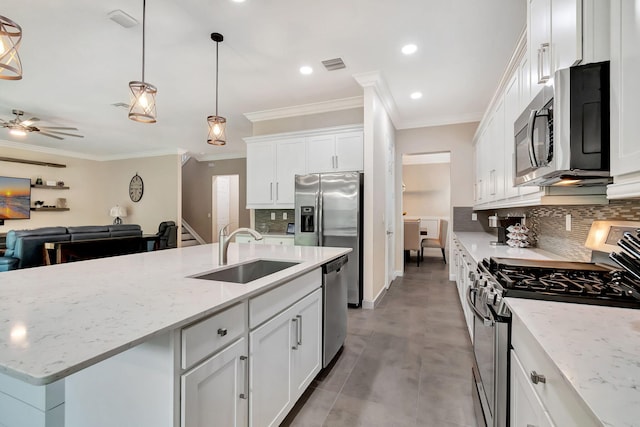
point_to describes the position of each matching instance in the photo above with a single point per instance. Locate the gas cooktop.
(577, 282)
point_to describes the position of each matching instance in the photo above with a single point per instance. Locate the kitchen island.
(61, 322)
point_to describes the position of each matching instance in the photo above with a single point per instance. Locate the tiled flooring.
(406, 363)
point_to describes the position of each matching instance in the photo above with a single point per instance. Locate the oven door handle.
(531, 126)
(485, 320)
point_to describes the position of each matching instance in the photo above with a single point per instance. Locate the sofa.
(25, 248)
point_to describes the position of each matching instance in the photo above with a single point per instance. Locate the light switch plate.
(567, 220)
(474, 217)
(284, 215)
(273, 215)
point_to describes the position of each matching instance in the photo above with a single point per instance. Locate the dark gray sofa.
(25, 248)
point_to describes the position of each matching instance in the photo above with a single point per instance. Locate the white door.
(349, 152)
(260, 173)
(307, 343)
(270, 367)
(390, 217)
(290, 161)
(321, 154)
(225, 203)
(526, 408)
(214, 392)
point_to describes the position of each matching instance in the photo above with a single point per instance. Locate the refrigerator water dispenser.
(307, 214)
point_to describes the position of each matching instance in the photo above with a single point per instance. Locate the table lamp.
(118, 212)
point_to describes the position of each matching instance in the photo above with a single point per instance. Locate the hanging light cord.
(217, 44)
(144, 20)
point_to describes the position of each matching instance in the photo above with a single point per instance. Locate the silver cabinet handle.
(337, 162)
(295, 320)
(222, 331)
(271, 191)
(539, 67)
(538, 378)
(544, 51)
(299, 329)
(245, 394)
(277, 191)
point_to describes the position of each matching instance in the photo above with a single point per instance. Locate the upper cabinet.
(539, 43)
(625, 103)
(273, 161)
(341, 152)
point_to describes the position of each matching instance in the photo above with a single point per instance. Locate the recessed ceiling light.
(416, 95)
(238, 1)
(306, 70)
(409, 49)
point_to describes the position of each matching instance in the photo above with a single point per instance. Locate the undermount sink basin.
(248, 272)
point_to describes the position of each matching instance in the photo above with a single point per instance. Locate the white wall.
(96, 186)
(428, 189)
(457, 139)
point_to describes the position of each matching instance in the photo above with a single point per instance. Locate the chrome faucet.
(224, 239)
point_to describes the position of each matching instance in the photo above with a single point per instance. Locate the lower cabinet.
(285, 356)
(215, 392)
(465, 268)
(526, 407)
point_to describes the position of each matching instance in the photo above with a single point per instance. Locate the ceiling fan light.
(17, 131)
(143, 102)
(217, 126)
(10, 38)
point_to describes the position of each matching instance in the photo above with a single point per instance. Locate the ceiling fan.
(19, 127)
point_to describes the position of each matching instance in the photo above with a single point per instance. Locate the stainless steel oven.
(491, 350)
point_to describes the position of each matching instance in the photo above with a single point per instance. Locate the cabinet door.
(511, 113)
(349, 152)
(526, 407)
(321, 154)
(270, 362)
(625, 87)
(497, 152)
(214, 392)
(307, 342)
(539, 43)
(290, 161)
(524, 83)
(566, 33)
(260, 173)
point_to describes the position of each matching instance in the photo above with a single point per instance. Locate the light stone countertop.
(479, 246)
(596, 348)
(59, 319)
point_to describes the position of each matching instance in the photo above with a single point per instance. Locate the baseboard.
(370, 305)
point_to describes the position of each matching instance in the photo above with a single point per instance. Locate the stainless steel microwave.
(562, 137)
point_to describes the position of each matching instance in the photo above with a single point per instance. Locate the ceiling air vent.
(333, 64)
(122, 18)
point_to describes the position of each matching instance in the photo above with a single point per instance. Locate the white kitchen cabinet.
(496, 153)
(341, 152)
(511, 113)
(566, 33)
(279, 240)
(271, 170)
(526, 407)
(215, 392)
(539, 43)
(465, 271)
(285, 355)
(625, 102)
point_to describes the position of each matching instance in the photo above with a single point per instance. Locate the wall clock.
(136, 188)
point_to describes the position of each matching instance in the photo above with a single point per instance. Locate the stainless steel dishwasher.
(334, 295)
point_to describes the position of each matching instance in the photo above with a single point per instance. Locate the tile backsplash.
(264, 223)
(548, 224)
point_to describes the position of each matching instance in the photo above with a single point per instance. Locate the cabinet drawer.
(267, 305)
(207, 336)
(558, 396)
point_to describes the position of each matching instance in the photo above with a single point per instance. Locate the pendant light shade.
(10, 38)
(143, 95)
(217, 124)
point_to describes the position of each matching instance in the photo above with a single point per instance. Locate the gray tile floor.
(406, 363)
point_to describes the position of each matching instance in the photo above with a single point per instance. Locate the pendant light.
(143, 95)
(216, 123)
(10, 38)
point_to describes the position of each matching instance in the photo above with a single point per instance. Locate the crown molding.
(304, 133)
(374, 79)
(306, 109)
(442, 121)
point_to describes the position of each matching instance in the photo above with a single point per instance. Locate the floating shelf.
(49, 209)
(50, 187)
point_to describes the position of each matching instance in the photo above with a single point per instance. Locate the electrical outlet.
(273, 216)
(474, 216)
(284, 215)
(567, 220)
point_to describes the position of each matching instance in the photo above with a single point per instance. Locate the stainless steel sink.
(248, 272)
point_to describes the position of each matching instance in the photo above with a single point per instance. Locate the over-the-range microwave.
(562, 137)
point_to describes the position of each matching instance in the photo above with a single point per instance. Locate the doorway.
(225, 203)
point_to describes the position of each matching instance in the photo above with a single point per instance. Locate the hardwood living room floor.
(406, 363)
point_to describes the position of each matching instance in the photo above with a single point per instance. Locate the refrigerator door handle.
(320, 219)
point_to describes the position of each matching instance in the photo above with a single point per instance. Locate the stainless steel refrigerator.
(328, 212)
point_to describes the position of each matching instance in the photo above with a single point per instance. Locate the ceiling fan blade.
(56, 127)
(28, 122)
(50, 136)
(61, 133)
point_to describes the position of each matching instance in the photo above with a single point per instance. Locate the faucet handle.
(223, 230)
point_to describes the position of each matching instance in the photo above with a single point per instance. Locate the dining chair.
(412, 238)
(439, 241)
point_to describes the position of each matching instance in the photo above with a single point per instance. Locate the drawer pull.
(537, 378)
(245, 394)
(222, 331)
